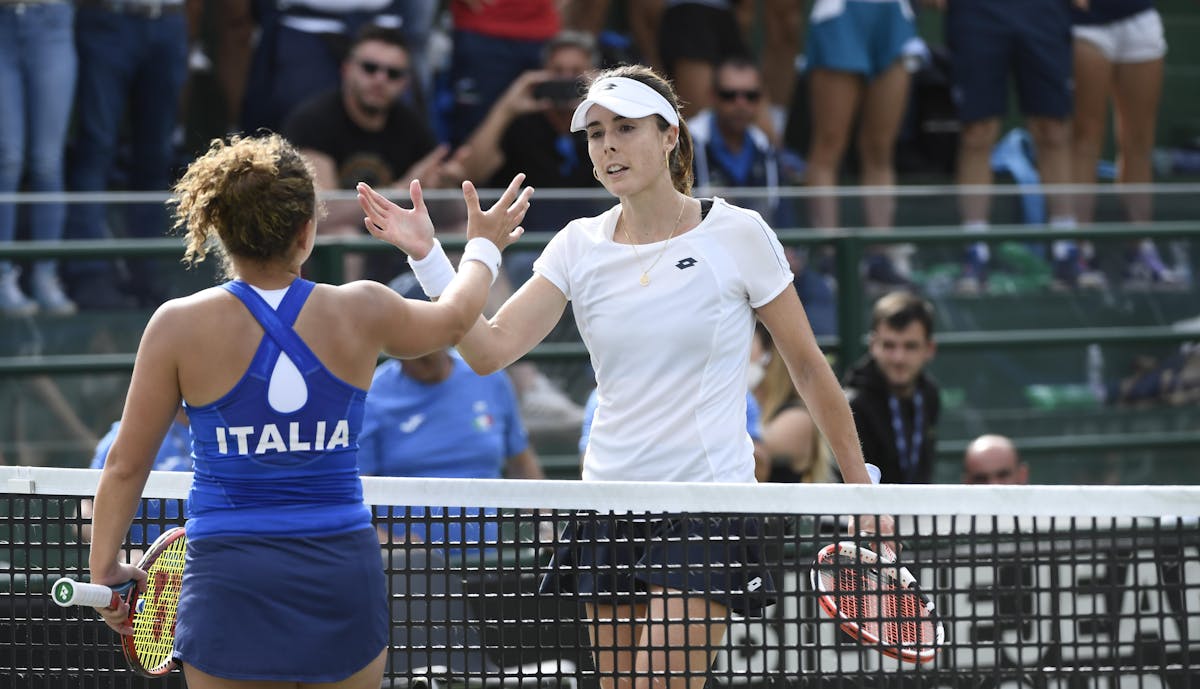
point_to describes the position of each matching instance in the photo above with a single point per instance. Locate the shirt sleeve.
(554, 263)
(759, 256)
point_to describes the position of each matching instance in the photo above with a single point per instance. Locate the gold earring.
(667, 158)
(595, 174)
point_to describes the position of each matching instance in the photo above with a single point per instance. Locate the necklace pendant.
(645, 280)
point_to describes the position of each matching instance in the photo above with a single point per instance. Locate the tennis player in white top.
(666, 288)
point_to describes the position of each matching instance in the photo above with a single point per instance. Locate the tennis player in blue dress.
(283, 579)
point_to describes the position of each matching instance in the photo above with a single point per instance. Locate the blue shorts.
(612, 560)
(866, 38)
(1027, 39)
(283, 609)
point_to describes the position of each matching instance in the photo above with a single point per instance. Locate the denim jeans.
(139, 63)
(37, 83)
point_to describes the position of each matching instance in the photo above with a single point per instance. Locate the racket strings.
(154, 622)
(875, 603)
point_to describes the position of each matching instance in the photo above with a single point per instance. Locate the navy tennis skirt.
(309, 609)
(612, 559)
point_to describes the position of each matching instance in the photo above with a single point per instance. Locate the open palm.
(410, 230)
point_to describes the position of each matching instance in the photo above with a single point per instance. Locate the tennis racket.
(152, 612)
(877, 602)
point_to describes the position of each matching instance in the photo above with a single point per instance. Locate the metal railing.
(849, 245)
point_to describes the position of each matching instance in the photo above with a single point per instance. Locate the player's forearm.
(117, 498)
(829, 409)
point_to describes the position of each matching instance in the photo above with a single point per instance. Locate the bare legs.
(837, 97)
(1135, 89)
(668, 643)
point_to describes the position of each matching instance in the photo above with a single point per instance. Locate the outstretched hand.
(411, 231)
(500, 223)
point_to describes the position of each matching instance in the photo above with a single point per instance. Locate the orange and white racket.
(877, 602)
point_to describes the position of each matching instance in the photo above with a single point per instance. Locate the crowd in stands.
(387, 91)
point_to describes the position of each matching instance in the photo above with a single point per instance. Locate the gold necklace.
(645, 279)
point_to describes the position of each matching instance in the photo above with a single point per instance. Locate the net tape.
(1102, 591)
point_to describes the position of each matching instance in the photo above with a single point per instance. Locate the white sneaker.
(13, 302)
(545, 408)
(49, 293)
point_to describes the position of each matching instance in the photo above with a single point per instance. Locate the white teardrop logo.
(286, 391)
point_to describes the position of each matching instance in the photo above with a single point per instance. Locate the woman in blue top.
(273, 371)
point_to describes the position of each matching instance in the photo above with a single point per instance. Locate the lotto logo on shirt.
(270, 439)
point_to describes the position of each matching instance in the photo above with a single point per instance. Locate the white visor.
(626, 97)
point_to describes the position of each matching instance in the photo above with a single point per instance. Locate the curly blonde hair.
(245, 197)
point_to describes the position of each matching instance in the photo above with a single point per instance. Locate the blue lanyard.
(910, 458)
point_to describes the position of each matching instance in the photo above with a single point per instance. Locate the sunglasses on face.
(393, 73)
(751, 95)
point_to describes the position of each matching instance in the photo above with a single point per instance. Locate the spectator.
(175, 454)
(992, 459)
(796, 453)
(1030, 41)
(895, 401)
(1119, 49)
(530, 134)
(362, 131)
(434, 417)
(731, 150)
(299, 48)
(858, 73)
(494, 41)
(529, 130)
(132, 64)
(696, 35)
(641, 23)
(37, 83)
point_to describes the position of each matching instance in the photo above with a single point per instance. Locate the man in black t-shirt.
(364, 132)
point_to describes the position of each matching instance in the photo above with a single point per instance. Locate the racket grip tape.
(67, 592)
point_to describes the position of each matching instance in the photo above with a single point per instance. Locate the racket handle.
(67, 592)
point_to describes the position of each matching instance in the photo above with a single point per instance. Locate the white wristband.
(484, 251)
(434, 272)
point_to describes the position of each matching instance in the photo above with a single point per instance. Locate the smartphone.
(558, 90)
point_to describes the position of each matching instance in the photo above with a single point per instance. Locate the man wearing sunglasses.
(993, 460)
(364, 131)
(731, 150)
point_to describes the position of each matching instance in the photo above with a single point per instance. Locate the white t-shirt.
(670, 357)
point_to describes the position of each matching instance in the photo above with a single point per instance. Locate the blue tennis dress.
(284, 578)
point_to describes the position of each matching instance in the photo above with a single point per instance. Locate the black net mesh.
(515, 597)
